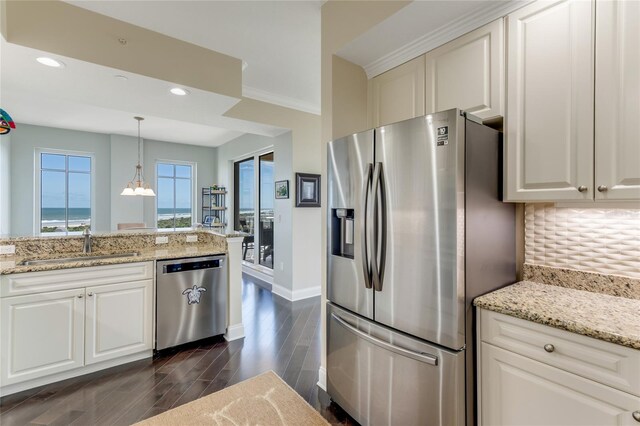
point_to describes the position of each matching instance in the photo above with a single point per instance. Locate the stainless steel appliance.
(191, 299)
(416, 230)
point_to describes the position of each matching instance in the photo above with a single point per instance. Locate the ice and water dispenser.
(342, 235)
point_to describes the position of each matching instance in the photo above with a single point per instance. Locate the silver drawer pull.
(549, 347)
(80, 296)
(90, 294)
(582, 188)
(636, 415)
(418, 356)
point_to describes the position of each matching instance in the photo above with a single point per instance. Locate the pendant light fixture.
(137, 186)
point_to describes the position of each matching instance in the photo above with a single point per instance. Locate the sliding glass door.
(266, 210)
(254, 204)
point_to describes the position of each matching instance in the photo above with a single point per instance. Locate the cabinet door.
(468, 73)
(519, 391)
(549, 121)
(41, 334)
(617, 100)
(118, 320)
(398, 94)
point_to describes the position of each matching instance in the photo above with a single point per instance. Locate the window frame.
(194, 186)
(37, 186)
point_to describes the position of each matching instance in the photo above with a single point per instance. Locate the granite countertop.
(11, 264)
(601, 316)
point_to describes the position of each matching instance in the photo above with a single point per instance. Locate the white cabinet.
(41, 334)
(555, 149)
(98, 317)
(617, 105)
(118, 320)
(533, 374)
(398, 94)
(519, 391)
(549, 120)
(468, 73)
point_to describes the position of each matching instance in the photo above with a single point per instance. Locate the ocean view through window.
(174, 196)
(65, 193)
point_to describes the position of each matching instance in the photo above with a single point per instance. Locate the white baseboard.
(322, 378)
(254, 272)
(34, 383)
(234, 332)
(295, 295)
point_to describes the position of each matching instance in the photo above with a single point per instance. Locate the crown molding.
(284, 101)
(442, 35)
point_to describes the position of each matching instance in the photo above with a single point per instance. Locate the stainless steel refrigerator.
(416, 230)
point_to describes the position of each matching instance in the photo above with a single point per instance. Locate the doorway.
(254, 209)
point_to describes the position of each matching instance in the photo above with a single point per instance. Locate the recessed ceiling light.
(179, 91)
(50, 62)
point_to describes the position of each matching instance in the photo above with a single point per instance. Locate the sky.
(53, 181)
(167, 174)
(247, 186)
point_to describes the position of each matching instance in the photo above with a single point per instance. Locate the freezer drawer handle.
(418, 356)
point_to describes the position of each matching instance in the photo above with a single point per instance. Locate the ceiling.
(278, 40)
(420, 27)
(88, 97)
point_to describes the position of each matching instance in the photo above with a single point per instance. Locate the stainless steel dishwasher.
(191, 299)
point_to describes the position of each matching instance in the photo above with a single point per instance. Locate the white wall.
(203, 157)
(115, 161)
(25, 139)
(5, 184)
(243, 147)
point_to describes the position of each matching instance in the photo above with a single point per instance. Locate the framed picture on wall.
(282, 189)
(307, 190)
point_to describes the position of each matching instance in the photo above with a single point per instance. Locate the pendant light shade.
(137, 186)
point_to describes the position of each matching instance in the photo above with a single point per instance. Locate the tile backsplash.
(595, 239)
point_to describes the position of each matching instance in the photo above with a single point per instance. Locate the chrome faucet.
(87, 241)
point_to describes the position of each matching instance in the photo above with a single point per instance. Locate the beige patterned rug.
(263, 400)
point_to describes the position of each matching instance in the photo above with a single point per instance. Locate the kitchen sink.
(88, 257)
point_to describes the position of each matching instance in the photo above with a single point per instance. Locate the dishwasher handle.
(194, 265)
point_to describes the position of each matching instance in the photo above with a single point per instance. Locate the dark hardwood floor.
(280, 336)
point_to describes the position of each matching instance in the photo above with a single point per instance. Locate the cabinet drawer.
(62, 279)
(607, 363)
(517, 390)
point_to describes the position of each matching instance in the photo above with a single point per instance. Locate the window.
(65, 193)
(267, 197)
(174, 196)
(255, 207)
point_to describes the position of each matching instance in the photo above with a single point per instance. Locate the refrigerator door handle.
(379, 233)
(366, 261)
(418, 356)
(366, 268)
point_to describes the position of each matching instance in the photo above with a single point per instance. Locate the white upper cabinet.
(468, 73)
(617, 127)
(549, 120)
(398, 94)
